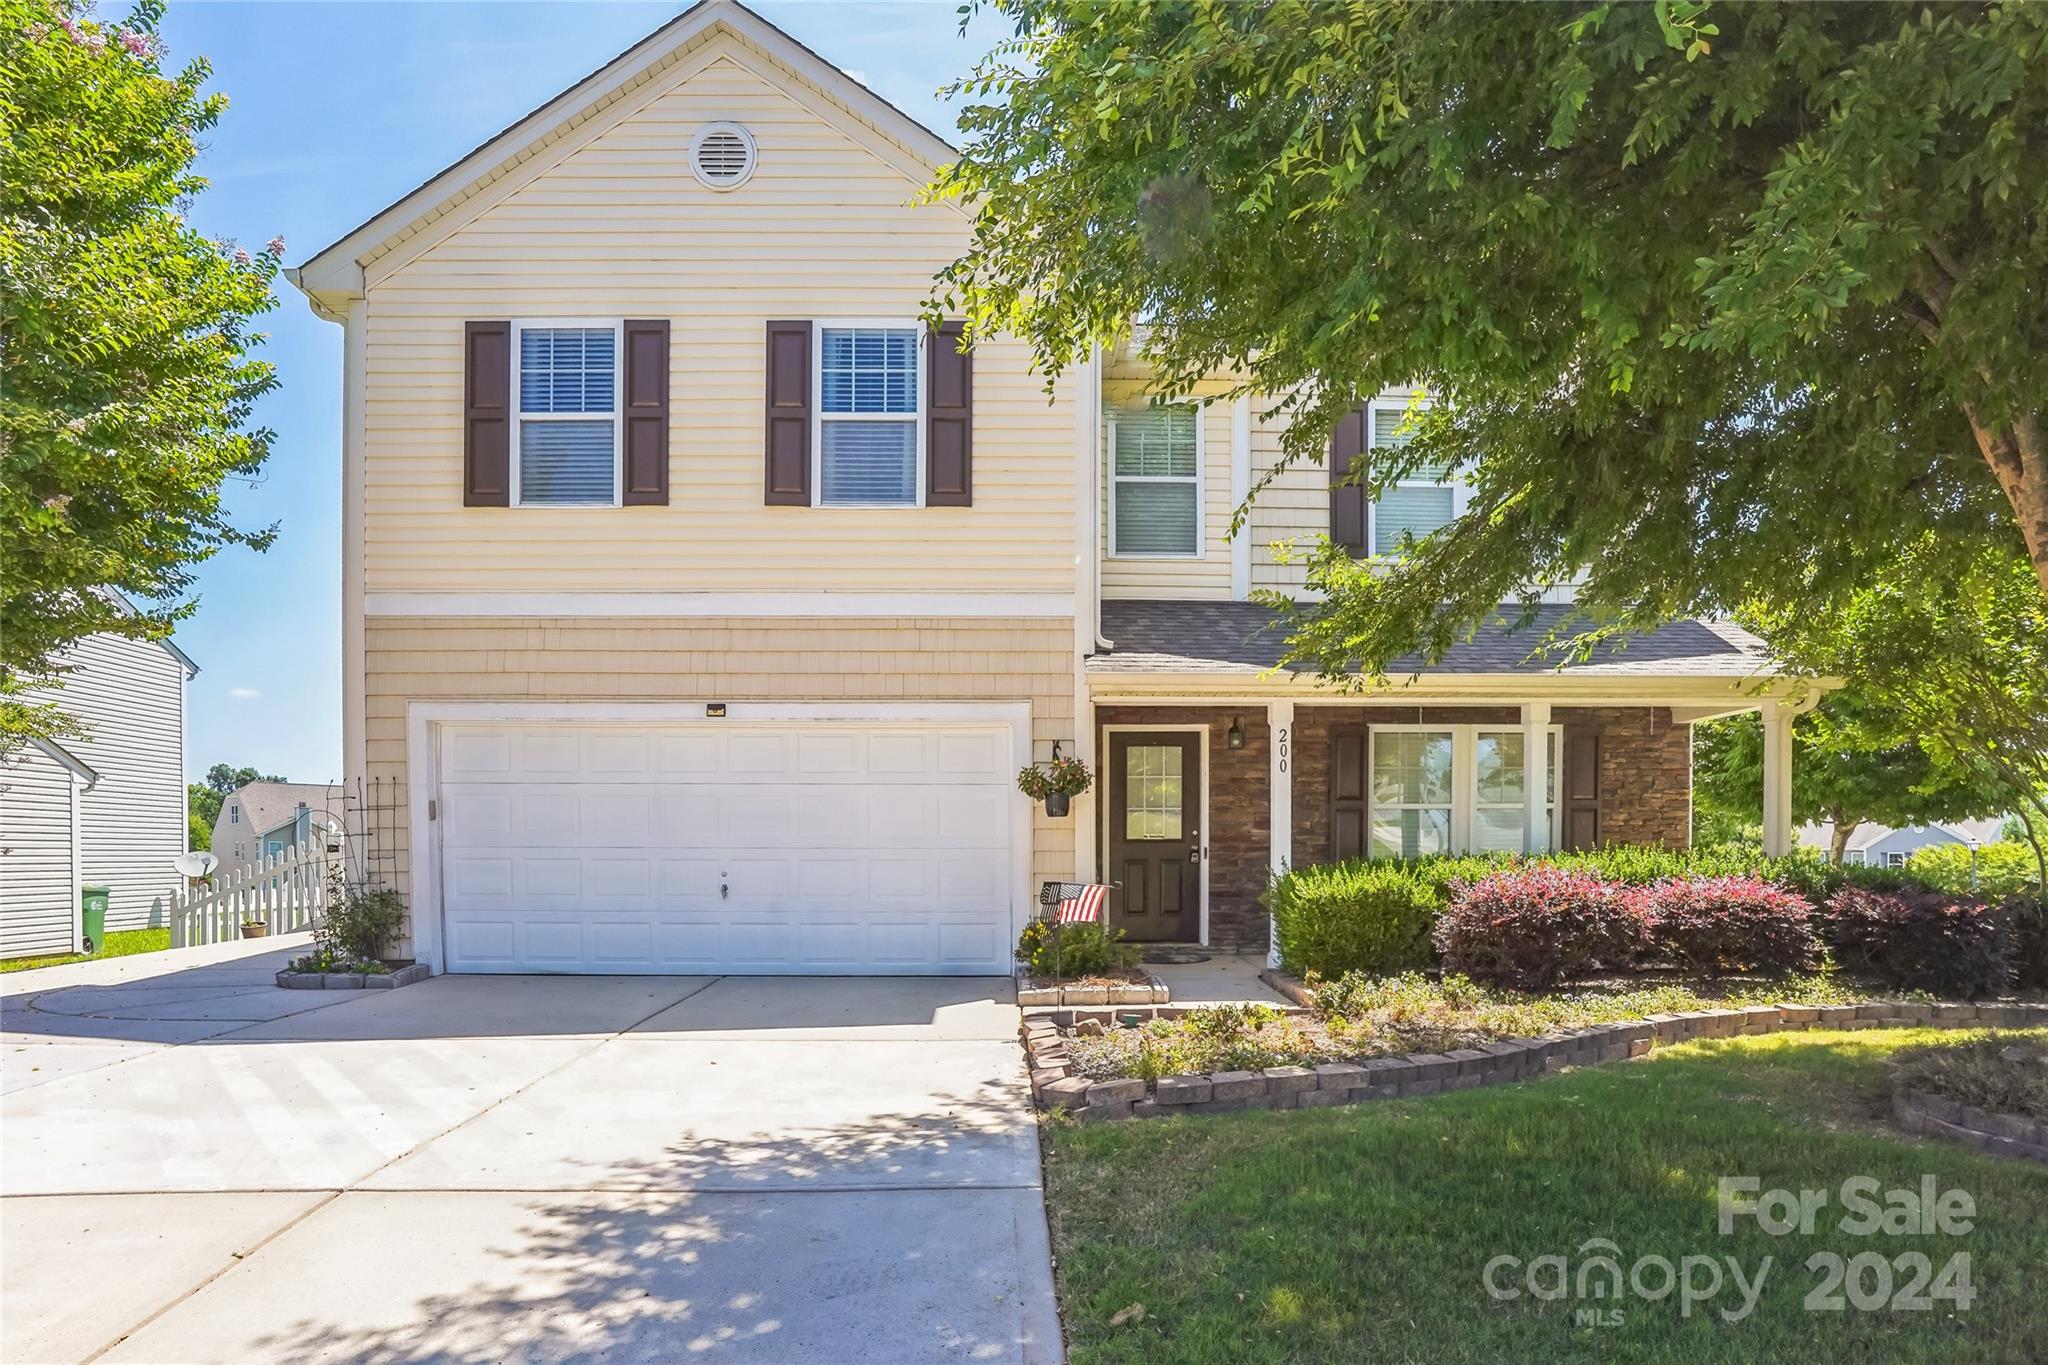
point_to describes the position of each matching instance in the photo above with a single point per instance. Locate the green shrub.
(356, 923)
(1357, 916)
(2003, 869)
(1078, 949)
(2001, 1073)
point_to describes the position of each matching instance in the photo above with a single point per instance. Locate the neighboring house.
(106, 807)
(1881, 846)
(263, 818)
(700, 606)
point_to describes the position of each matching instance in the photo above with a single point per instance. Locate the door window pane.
(1154, 788)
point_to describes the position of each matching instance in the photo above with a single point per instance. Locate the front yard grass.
(1361, 1233)
(117, 945)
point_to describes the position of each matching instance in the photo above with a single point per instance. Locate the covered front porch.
(1215, 772)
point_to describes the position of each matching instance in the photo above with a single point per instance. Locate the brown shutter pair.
(949, 418)
(1347, 499)
(1580, 784)
(487, 414)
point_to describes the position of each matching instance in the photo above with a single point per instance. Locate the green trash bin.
(92, 912)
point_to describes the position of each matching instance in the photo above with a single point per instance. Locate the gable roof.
(1868, 835)
(336, 270)
(266, 805)
(169, 646)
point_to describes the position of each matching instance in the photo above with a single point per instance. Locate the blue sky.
(335, 111)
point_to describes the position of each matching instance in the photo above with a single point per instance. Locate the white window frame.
(234, 815)
(520, 417)
(1464, 775)
(1895, 859)
(819, 326)
(1461, 489)
(1200, 481)
(1853, 857)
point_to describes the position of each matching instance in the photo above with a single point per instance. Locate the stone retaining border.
(2000, 1134)
(1152, 992)
(1056, 1086)
(353, 981)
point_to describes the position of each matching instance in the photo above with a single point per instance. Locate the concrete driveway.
(197, 1166)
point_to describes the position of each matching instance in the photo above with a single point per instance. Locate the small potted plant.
(1056, 783)
(255, 928)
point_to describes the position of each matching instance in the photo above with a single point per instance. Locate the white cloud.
(244, 693)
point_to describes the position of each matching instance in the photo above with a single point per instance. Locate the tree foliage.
(127, 380)
(1726, 299)
(1853, 763)
(203, 799)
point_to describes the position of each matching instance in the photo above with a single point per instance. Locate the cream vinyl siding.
(38, 899)
(811, 659)
(1294, 509)
(620, 228)
(130, 697)
(1207, 577)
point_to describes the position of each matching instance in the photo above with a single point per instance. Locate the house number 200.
(1280, 747)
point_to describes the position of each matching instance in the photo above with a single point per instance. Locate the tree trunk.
(2019, 461)
(1838, 844)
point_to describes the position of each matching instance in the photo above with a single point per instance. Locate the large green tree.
(127, 381)
(1854, 762)
(1721, 299)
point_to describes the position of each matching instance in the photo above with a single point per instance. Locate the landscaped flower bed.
(1989, 1091)
(1410, 1036)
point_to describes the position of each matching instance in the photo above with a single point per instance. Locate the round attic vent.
(722, 155)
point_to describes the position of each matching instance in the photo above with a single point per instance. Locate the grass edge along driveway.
(121, 943)
(1362, 1233)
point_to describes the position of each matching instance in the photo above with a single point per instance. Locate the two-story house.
(260, 820)
(700, 605)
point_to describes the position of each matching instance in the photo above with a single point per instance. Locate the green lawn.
(1361, 1233)
(117, 945)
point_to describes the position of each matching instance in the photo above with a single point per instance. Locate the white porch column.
(1777, 779)
(1280, 755)
(1536, 756)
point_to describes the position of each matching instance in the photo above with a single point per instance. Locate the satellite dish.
(195, 864)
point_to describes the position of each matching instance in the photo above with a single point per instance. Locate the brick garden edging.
(1056, 1086)
(351, 981)
(1999, 1134)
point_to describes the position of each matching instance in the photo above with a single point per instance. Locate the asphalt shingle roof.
(1239, 637)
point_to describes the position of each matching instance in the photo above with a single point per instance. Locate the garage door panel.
(697, 848)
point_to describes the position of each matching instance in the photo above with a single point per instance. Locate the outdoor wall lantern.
(1234, 736)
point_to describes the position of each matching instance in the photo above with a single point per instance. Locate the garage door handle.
(723, 890)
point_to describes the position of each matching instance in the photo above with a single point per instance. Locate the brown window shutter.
(949, 419)
(646, 414)
(486, 414)
(1581, 782)
(787, 481)
(1347, 500)
(1348, 793)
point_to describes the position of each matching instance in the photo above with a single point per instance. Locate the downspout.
(1090, 421)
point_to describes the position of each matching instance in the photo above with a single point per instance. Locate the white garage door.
(819, 847)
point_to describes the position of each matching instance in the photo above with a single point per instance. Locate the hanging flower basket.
(1056, 783)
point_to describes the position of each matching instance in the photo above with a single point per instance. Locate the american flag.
(1085, 908)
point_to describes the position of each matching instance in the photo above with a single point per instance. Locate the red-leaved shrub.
(1713, 925)
(1952, 946)
(1532, 927)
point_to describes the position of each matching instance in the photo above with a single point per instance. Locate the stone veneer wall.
(1240, 817)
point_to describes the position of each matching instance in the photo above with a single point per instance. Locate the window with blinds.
(867, 415)
(1424, 500)
(1155, 481)
(567, 382)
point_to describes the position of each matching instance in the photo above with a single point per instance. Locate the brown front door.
(1155, 849)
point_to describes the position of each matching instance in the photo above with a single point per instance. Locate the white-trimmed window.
(1453, 789)
(234, 815)
(1421, 501)
(870, 414)
(1896, 859)
(1155, 477)
(1854, 857)
(565, 377)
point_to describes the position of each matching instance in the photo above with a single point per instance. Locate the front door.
(1155, 849)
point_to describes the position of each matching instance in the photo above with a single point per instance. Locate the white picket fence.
(286, 890)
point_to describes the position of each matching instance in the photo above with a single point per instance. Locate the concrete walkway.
(197, 1166)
